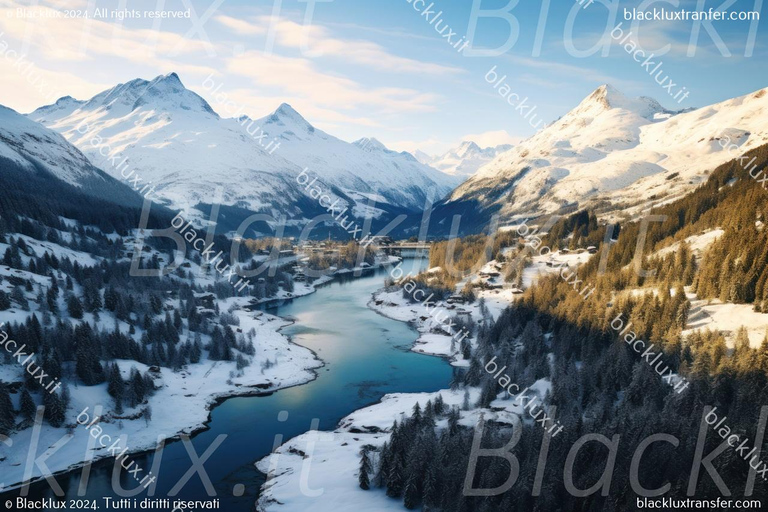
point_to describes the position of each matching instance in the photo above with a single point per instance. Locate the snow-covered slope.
(463, 160)
(174, 139)
(617, 151)
(29, 146)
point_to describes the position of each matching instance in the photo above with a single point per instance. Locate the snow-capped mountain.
(463, 160)
(30, 147)
(174, 139)
(620, 152)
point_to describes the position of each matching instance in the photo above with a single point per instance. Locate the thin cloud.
(316, 41)
(299, 77)
(239, 26)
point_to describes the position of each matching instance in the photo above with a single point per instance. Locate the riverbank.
(302, 289)
(277, 364)
(319, 470)
(434, 338)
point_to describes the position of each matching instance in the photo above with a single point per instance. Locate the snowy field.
(434, 336)
(548, 264)
(319, 470)
(727, 318)
(698, 243)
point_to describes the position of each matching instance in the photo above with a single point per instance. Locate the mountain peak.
(286, 115)
(167, 83)
(467, 147)
(64, 100)
(65, 103)
(286, 110)
(170, 77)
(607, 97)
(164, 92)
(370, 144)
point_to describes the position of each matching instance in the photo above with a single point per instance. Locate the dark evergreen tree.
(5, 301)
(74, 307)
(7, 414)
(54, 409)
(365, 469)
(27, 405)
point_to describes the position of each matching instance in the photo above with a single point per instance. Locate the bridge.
(414, 248)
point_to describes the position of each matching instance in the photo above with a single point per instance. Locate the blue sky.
(378, 68)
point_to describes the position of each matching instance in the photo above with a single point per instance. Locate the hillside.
(613, 153)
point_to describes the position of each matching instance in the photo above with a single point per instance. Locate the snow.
(463, 160)
(319, 470)
(6, 271)
(548, 264)
(198, 386)
(327, 477)
(30, 144)
(727, 318)
(174, 139)
(724, 317)
(40, 247)
(619, 150)
(698, 243)
(435, 336)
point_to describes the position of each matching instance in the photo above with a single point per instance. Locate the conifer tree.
(74, 307)
(365, 468)
(412, 494)
(27, 405)
(54, 409)
(5, 301)
(7, 413)
(395, 477)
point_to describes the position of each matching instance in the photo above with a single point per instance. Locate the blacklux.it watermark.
(334, 209)
(115, 449)
(744, 161)
(29, 362)
(237, 111)
(431, 16)
(744, 449)
(427, 303)
(607, 462)
(534, 242)
(28, 70)
(630, 338)
(190, 235)
(434, 18)
(505, 381)
(522, 107)
(664, 14)
(630, 46)
(116, 160)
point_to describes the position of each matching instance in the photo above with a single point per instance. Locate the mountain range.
(463, 160)
(173, 139)
(611, 153)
